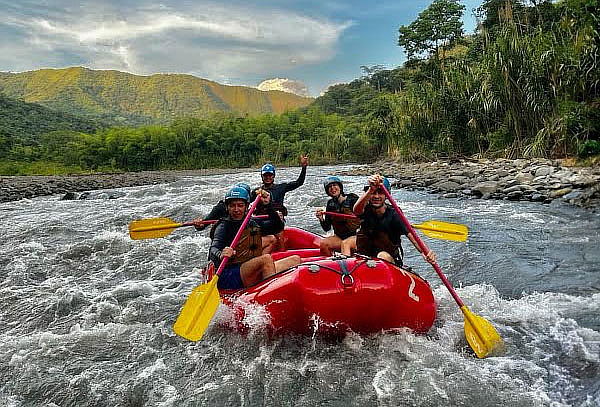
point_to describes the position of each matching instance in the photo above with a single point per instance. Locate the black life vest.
(344, 227)
(373, 237)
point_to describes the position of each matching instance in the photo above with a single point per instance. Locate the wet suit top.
(218, 211)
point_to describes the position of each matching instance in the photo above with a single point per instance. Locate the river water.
(86, 312)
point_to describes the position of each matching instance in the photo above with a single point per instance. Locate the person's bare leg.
(286, 263)
(268, 243)
(348, 245)
(385, 256)
(255, 269)
(329, 245)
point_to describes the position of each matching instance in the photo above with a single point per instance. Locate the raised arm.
(290, 186)
(375, 182)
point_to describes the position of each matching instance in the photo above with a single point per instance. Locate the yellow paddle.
(202, 303)
(156, 227)
(481, 335)
(431, 228)
(160, 227)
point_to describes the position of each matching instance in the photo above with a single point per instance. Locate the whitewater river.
(86, 313)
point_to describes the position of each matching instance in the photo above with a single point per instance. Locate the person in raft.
(278, 191)
(247, 264)
(218, 211)
(381, 227)
(344, 228)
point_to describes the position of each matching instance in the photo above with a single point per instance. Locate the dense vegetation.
(220, 141)
(526, 84)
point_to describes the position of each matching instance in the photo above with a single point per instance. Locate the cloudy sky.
(231, 42)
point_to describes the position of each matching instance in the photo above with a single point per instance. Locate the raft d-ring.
(349, 281)
(371, 263)
(314, 268)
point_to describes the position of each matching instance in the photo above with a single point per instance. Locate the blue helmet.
(267, 169)
(332, 180)
(237, 193)
(243, 185)
(386, 185)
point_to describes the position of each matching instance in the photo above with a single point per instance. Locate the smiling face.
(377, 198)
(268, 178)
(236, 208)
(334, 190)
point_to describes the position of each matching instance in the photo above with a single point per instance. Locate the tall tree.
(436, 27)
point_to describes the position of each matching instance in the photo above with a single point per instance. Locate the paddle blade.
(151, 228)
(444, 230)
(198, 310)
(481, 335)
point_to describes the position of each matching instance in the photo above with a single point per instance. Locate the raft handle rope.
(345, 275)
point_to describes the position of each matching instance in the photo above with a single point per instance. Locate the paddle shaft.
(238, 235)
(178, 225)
(424, 248)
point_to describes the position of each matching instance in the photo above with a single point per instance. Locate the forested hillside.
(128, 99)
(23, 125)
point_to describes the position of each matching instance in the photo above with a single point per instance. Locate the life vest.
(372, 239)
(249, 246)
(345, 226)
(279, 207)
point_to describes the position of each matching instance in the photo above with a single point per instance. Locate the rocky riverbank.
(21, 187)
(529, 180)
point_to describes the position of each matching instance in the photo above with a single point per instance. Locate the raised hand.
(265, 196)
(320, 214)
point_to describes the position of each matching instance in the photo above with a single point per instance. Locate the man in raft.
(344, 227)
(381, 227)
(278, 191)
(247, 264)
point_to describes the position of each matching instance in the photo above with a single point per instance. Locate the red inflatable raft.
(336, 294)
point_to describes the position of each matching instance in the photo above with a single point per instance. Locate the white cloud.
(206, 39)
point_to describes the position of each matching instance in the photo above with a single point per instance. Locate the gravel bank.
(529, 180)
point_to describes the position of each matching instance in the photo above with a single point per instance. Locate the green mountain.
(27, 121)
(132, 99)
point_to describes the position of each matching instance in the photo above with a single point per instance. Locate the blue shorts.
(230, 278)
